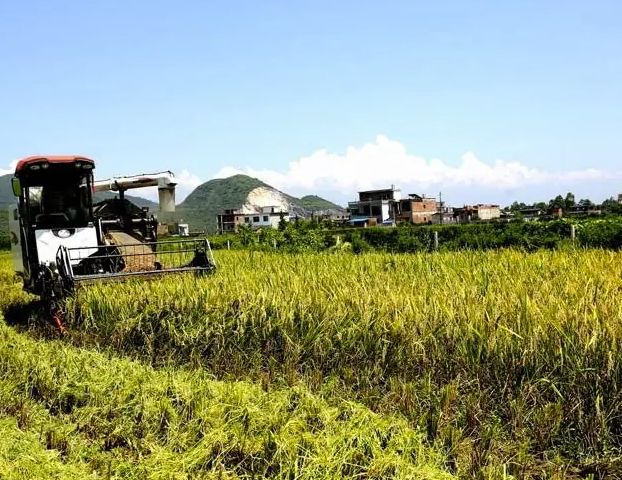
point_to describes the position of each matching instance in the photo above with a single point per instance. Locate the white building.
(378, 205)
(266, 217)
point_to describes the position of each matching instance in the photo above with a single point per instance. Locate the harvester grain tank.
(61, 239)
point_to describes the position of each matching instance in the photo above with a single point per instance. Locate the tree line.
(567, 202)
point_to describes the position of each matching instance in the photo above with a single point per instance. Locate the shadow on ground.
(32, 317)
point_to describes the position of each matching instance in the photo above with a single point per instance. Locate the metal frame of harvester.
(61, 239)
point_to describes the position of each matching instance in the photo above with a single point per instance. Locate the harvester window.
(34, 201)
(62, 206)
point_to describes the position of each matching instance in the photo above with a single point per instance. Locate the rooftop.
(381, 190)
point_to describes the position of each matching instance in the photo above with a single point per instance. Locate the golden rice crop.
(518, 351)
(499, 358)
(70, 413)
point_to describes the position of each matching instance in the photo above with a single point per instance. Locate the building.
(363, 222)
(531, 213)
(443, 214)
(335, 216)
(256, 217)
(162, 229)
(581, 210)
(475, 213)
(416, 209)
(229, 221)
(183, 230)
(376, 204)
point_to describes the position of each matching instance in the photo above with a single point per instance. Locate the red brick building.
(416, 209)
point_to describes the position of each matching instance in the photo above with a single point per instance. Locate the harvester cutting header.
(62, 239)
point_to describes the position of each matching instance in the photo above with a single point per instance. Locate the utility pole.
(440, 207)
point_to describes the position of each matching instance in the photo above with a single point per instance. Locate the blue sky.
(209, 88)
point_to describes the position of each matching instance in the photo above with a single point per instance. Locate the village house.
(474, 213)
(531, 213)
(375, 206)
(415, 209)
(257, 217)
(581, 210)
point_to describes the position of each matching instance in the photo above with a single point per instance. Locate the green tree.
(247, 235)
(611, 205)
(585, 202)
(516, 206)
(282, 222)
(558, 201)
(569, 201)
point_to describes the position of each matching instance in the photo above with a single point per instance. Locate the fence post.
(573, 233)
(435, 240)
(274, 243)
(228, 246)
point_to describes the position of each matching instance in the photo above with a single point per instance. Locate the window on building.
(375, 210)
(265, 218)
(255, 219)
(247, 220)
(405, 206)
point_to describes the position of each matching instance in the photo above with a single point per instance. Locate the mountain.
(6, 192)
(209, 199)
(139, 201)
(313, 202)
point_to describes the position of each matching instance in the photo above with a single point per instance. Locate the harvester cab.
(61, 239)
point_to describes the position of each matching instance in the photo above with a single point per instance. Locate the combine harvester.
(61, 240)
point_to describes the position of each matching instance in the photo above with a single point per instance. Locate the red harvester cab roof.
(51, 159)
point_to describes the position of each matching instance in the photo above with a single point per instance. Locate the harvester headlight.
(63, 233)
(84, 165)
(39, 166)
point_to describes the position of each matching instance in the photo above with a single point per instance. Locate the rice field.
(498, 364)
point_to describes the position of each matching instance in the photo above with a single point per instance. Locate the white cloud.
(187, 182)
(10, 170)
(386, 162)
